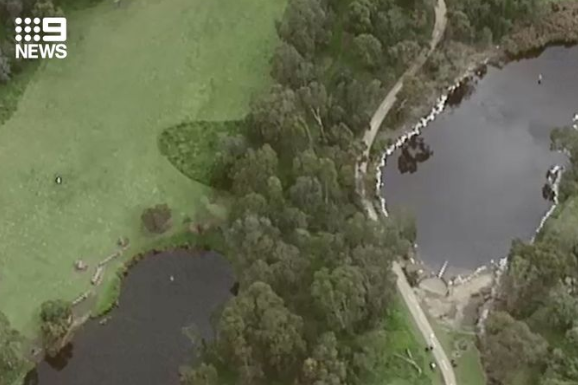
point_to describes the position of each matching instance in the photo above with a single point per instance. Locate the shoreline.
(193, 243)
(422, 113)
(405, 132)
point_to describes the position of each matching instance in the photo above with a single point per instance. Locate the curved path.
(403, 286)
(390, 99)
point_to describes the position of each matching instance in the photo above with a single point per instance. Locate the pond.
(165, 299)
(474, 178)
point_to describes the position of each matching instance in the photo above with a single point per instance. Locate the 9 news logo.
(40, 38)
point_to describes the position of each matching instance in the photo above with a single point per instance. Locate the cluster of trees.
(313, 270)
(9, 11)
(354, 46)
(55, 323)
(11, 361)
(488, 21)
(388, 31)
(536, 327)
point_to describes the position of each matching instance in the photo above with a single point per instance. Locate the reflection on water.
(413, 152)
(475, 177)
(165, 309)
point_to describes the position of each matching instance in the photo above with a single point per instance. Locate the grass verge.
(398, 336)
(461, 346)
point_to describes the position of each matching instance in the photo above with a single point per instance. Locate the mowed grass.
(95, 117)
(398, 336)
(469, 370)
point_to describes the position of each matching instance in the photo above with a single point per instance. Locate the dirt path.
(390, 99)
(424, 326)
(403, 286)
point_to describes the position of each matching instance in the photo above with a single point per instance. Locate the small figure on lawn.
(80, 265)
(58, 179)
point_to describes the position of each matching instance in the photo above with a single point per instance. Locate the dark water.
(474, 178)
(144, 342)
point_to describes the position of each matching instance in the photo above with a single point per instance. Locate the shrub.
(157, 219)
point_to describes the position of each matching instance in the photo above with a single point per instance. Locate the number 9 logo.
(55, 27)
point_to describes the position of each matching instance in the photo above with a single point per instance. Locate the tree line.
(534, 330)
(314, 272)
(487, 21)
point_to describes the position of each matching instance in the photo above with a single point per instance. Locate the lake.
(165, 298)
(473, 179)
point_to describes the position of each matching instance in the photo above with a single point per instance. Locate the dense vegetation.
(11, 361)
(56, 320)
(314, 271)
(533, 337)
(488, 21)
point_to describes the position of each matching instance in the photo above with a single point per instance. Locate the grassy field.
(399, 335)
(469, 370)
(95, 117)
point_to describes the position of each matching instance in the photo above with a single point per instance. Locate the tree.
(304, 25)
(404, 52)
(204, 374)
(307, 195)
(231, 149)
(277, 120)
(45, 8)
(340, 297)
(289, 68)
(157, 219)
(10, 9)
(368, 49)
(375, 265)
(250, 204)
(572, 335)
(56, 320)
(12, 364)
(391, 24)
(563, 308)
(359, 16)
(5, 69)
(533, 270)
(508, 346)
(260, 335)
(252, 172)
(562, 366)
(460, 26)
(261, 255)
(315, 99)
(325, 366)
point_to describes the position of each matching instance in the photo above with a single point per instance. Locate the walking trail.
(403, 286)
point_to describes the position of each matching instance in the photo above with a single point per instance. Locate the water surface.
(144, 342)
(474, 178)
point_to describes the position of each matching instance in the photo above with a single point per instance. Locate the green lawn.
(398, 336)
(95, 118)
(469, 370)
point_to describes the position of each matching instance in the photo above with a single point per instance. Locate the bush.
(157, 219)
(56, 319)
(369, 50)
